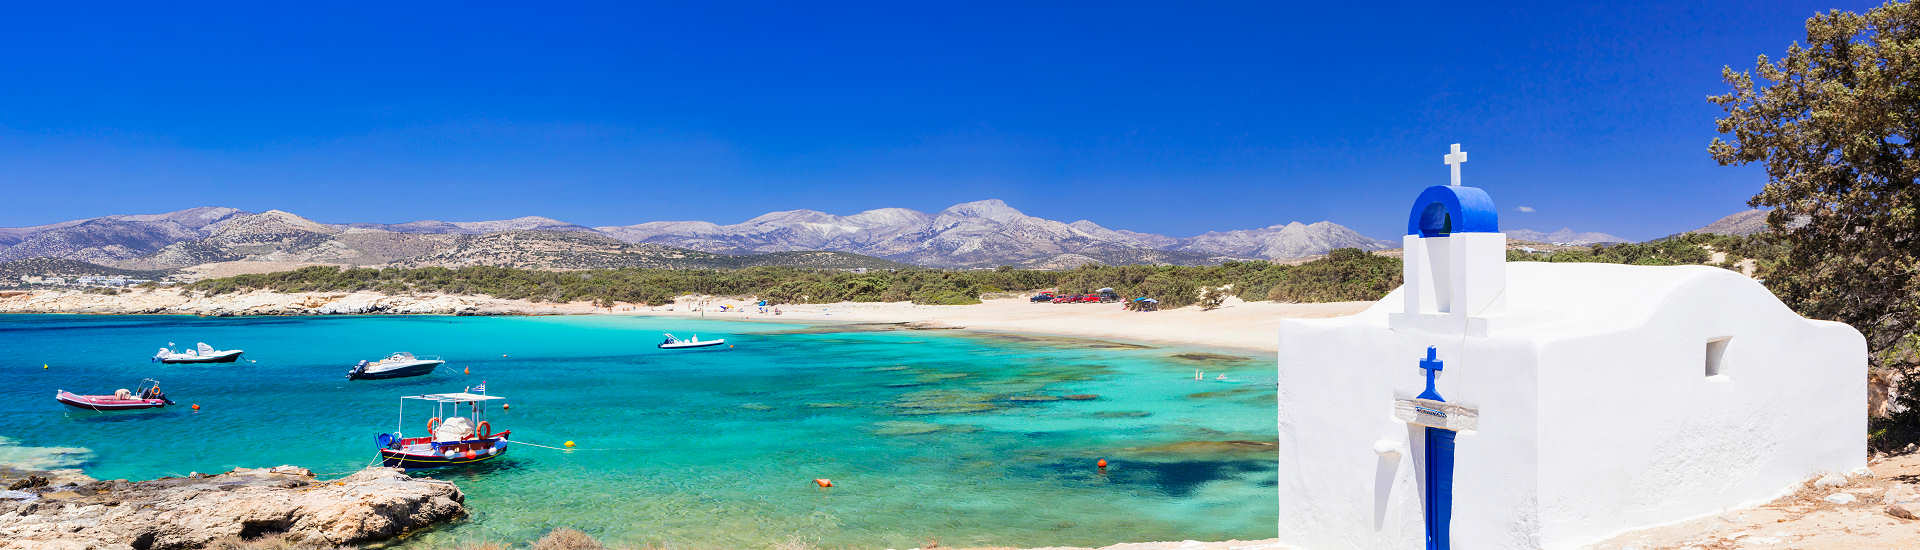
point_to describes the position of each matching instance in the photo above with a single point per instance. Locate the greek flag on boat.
(482, 388)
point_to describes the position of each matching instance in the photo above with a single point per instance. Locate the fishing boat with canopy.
(457, 434)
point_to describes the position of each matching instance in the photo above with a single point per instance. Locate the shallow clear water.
(927, 435)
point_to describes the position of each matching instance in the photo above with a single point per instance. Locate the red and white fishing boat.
(149, 396)
(458, 434)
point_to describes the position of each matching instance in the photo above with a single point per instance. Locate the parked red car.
(1065, 299)
(1087, 299)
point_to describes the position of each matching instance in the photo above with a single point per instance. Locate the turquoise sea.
(929, 436)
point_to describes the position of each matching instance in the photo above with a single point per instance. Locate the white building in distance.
(1588, 399)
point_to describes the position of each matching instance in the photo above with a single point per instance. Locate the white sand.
(1236, 324)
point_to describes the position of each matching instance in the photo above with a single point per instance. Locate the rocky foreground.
(68, 511)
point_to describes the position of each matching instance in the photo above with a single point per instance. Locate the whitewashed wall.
(1596, 415)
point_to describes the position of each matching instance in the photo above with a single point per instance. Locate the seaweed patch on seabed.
(943, 402)
(1235, 392)
(1177, 478)
(1211, 449)
(1203, 358)
(910, 427)
(41, 458)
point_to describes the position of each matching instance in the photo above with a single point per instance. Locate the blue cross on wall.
(1439, 447)
(1433, 366)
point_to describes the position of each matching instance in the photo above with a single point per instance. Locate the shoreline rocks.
(68, 511)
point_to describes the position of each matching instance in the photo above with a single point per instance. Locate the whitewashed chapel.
(1491, 404)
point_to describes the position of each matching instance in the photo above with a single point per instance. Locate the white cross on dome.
(1455, 159)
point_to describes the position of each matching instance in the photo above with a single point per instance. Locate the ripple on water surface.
(967, 439)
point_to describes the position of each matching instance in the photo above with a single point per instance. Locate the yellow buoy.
(43, 367)
(569, 444)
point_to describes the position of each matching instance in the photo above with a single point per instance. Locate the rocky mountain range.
(1564, 236)
(988, 233)
(983, 233)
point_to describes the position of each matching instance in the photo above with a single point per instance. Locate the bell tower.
(1454, 265)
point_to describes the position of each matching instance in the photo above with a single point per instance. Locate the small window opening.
(1717, 356)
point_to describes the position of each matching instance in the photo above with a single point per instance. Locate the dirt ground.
(1806, 519)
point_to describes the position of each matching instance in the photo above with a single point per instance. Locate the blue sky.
(1136, 116)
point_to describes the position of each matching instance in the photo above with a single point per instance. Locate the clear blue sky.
(1136, 116)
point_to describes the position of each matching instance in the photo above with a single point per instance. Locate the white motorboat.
(694, 342)
(398, 365)
(202, 353)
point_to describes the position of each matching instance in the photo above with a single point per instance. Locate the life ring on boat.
(485, 430)
(431, 424)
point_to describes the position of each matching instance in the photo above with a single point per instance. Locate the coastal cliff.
(68, 511)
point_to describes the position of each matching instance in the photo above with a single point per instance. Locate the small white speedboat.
(398, 365)
(202, 353)
(694, 342)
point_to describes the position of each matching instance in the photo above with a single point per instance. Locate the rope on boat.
(540, 446)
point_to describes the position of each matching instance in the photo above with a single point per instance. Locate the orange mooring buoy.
(468, 370)
(504, 406)
(1102, 464)
(823, 482)
(196, 406)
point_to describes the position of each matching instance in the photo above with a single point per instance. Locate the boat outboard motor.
(357, 369)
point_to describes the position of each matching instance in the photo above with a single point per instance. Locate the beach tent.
(1494, 405)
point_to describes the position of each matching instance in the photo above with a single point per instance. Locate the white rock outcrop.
(178, 513)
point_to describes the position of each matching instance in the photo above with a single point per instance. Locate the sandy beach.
(1236, 324)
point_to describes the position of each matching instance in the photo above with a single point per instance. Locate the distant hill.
(1564, 236)
(989, 233)
(986, 233)
(525, 223)
(1743, 223)
(579, 250)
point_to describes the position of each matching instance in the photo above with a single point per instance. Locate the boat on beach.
(694, 342)
(148, 396)
(458, 434)
(399, 365)
(201, 353)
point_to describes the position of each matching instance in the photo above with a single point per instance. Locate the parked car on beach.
(1041, 297)
(1066, 299)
